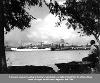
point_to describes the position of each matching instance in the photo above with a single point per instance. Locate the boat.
(69, 48)
(25, 49)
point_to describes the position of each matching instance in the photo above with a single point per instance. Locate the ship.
(30, 49)
(69, 48)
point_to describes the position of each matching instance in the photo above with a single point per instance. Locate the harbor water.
(43, 58)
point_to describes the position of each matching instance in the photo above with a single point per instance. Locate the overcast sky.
(44, 29)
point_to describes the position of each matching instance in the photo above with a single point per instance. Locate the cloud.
(16, 36)
(48, 1)
(46, 30)
(60, 2)
(36, 21)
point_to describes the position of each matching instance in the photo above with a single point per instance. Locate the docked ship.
(69, 48)
(30, 49)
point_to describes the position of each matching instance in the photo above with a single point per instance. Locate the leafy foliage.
(82, 13)
(13, 13)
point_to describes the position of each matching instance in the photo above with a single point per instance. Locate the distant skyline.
(44, 29)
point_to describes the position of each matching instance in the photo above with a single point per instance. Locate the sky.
(44, 29)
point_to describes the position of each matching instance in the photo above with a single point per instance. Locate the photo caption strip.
(51, 77)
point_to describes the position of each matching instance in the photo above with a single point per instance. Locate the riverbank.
(64, 68)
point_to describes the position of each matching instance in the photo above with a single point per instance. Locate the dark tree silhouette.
(13, 14)
(83, 14)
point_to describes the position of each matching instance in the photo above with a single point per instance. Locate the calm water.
(44, 57)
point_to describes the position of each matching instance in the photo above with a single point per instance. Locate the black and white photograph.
(50, 37)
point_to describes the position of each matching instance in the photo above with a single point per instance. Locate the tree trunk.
(3, 64)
